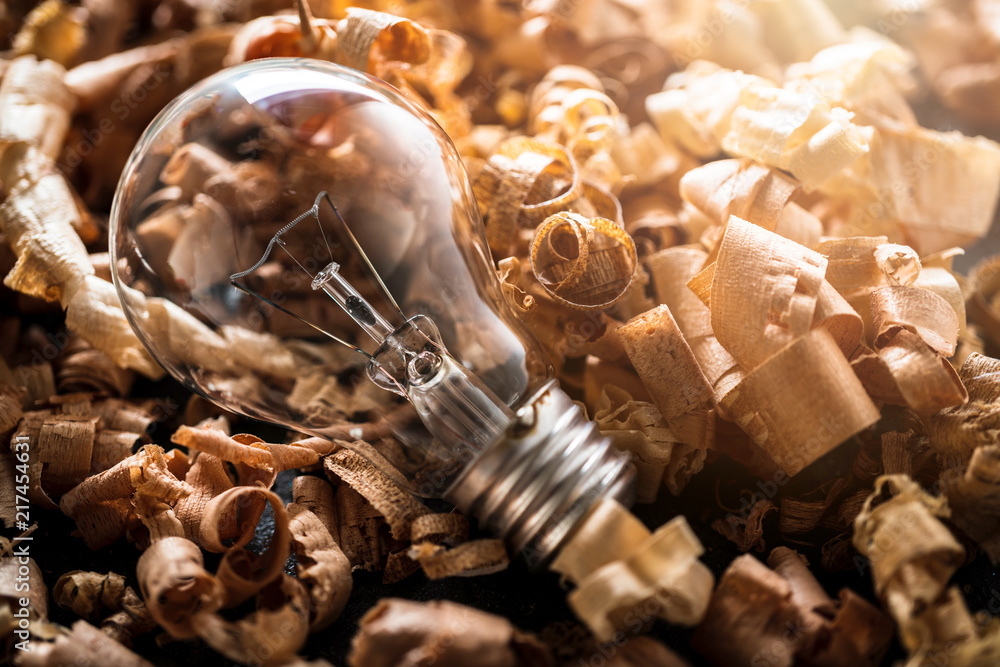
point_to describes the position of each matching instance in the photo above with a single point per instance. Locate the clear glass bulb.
(285, 213)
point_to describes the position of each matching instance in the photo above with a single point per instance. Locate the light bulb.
(284, 212)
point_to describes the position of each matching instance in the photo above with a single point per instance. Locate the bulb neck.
(533, 485)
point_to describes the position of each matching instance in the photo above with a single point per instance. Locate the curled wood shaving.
(670, 271)
(397, 506)
(764, 292)
(912, 557)
(35, 105)
(270, 635)
(658, 573)
(137, 490)
(900, 264)
(746, 533)
(246, 450)
(65, 446)
(243, 573)
(82, 368)
(321, 564)
(569, 105)
(94, 313)
(958, 431)
(522, 183)
(925, 380)
(743, 188)
(638, 427)
(40, 218)
(770, 125)
(29, 427)
(918, 310)
(96, 596)
(581, 263)
(669, 370)
(974, 498)
(470, 559)
(361, 530)
(284, 36)
(396, 632)
(783, 617)
(367, 40)
(802, 402)
(176, 586)
(207, 478)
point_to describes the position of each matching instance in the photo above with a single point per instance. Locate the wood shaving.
(659, 455)
(619, 566)
(725, 223)
(322, 566)
(446, 633)
(783, 616)
(913, 555)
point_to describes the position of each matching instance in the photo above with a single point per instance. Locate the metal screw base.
(533, 485)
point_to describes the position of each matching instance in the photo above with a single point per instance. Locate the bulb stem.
(536, 482)
(340, 290)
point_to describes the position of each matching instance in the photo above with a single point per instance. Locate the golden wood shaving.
(367, 39)
(764, 292)
(925, 380)
(671, 269)
(283, 36)
(35, 106)
(802, 402)
(743, 188)
(668, 368)
(395, 632)
(581, 263)
(918, 310)
(638, 427)
(522, 183)
(637, 569)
